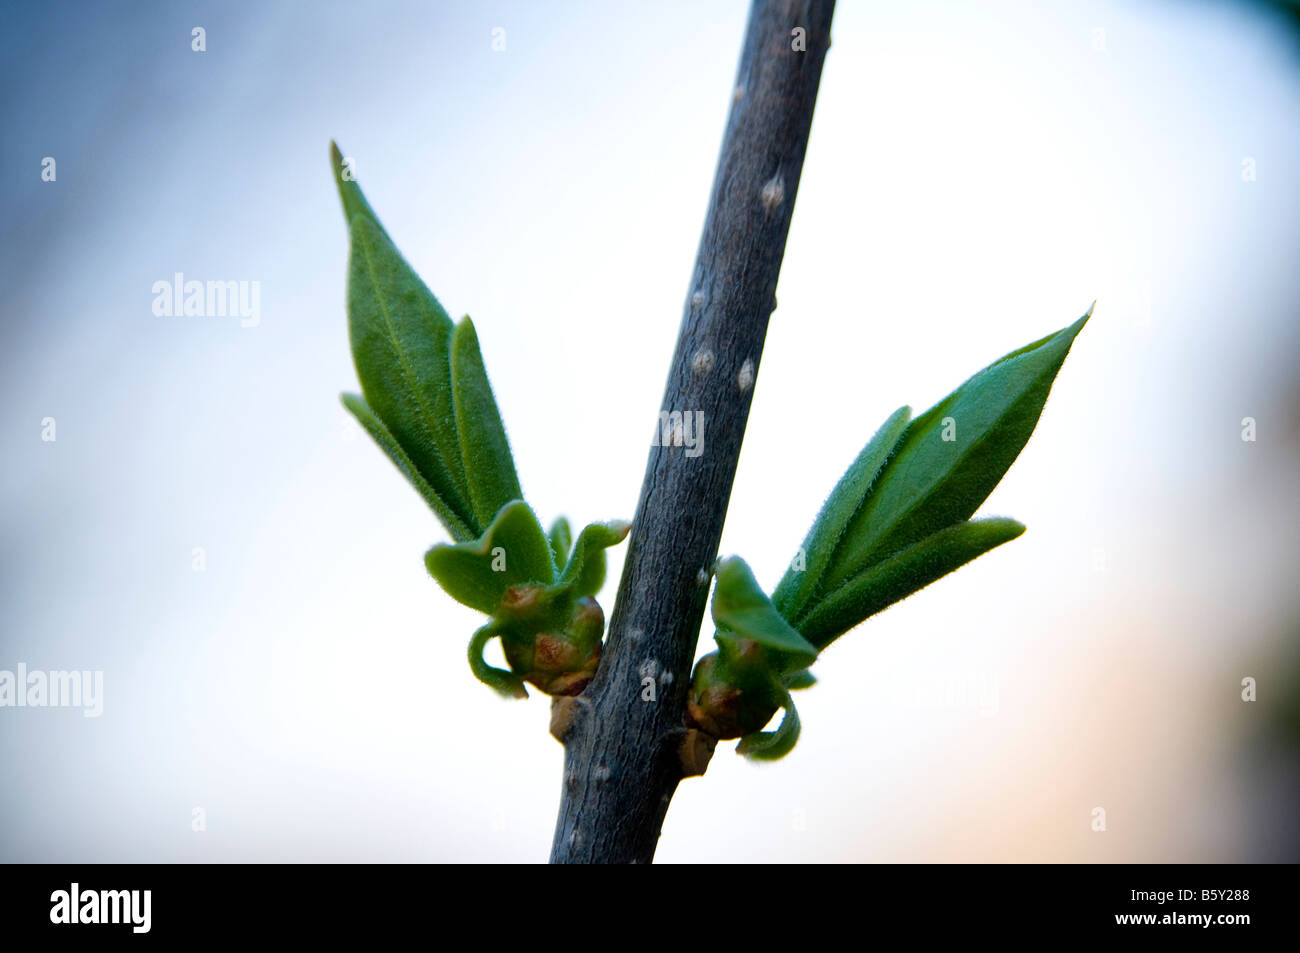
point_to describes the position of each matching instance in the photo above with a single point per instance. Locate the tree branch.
(624, 736)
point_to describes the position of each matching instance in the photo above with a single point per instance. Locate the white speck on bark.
(745, 379)
(702, 363)
(697, 299)
(773, 193)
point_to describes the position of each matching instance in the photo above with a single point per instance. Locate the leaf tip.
(1005, 526)
(464, 333)
(336, 165)
(350, 194)
(1070, 333)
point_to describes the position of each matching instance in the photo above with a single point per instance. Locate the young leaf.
(507, 684)
(354, 202)
(489, 467)
(952, 456)
(561, 538)
(400, 344)
(901, 575)
(798, 585)
(741, 607)
(375, 427)
(512, 551)
(798, 681)
(401, 341)
(585, 571)
(771, 745)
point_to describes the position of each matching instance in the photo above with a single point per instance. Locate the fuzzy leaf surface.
(484, 450)
(512, 551)
(741, 608)
(951, 457)
(388, 443)
(902, 574)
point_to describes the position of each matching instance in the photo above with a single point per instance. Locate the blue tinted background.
(977, 176)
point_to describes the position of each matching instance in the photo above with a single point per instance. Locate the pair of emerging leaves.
(538, 594)
(898, 520)
(427, 401)
(428, 404)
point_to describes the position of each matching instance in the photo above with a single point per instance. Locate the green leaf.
(507, 684)
(798, 681)
(561, 537)
(375, 427)
(354, 202)
(771, 745)
(512, 551)
(952, 456)
(901, 575)
(585, 571)
(741, 607)
(489, 467)
(798, 585)
(401, 340)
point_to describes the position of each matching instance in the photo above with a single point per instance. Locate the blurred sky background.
(977, 175)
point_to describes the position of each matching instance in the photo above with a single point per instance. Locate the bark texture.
(624, 736)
